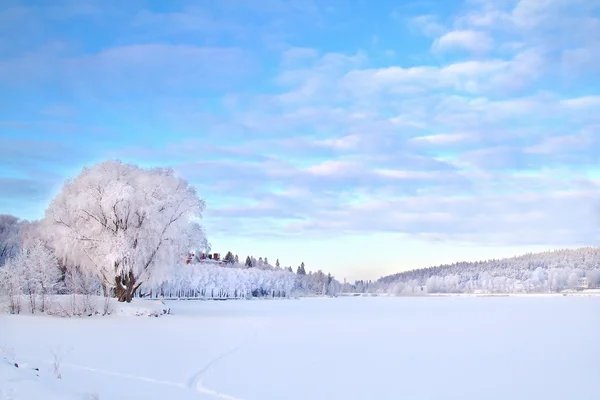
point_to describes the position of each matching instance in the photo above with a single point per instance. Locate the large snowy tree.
(125, 224)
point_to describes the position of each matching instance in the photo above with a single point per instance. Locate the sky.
(360, 137)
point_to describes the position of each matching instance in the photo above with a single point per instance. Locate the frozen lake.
(311, 349)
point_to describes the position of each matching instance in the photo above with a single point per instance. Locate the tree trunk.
(105, 290)
(126, 286)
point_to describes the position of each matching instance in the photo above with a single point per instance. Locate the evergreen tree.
(277, 263)
(301, 269)
(266, 261)
(290, 269)
(248, 262)
(229, 258)
(237, 259)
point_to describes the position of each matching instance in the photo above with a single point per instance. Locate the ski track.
(128, 376)
(112, 373)
(195, 382)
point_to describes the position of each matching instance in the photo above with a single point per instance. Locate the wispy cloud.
(470, 40)
(483, 123)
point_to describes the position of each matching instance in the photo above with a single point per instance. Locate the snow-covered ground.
(310, 349)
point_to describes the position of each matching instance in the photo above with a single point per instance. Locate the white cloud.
(404, 174)
(473, 76)
(561, 144)
(566, 218)
(427, 24)
(591, 103)
(341, 143)
(332, 168)
(442, 138)
(469, 40)
(426, 146)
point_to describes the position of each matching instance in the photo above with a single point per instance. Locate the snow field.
(323, 348)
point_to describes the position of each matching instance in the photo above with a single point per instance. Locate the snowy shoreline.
(590, 292)
(88, 306)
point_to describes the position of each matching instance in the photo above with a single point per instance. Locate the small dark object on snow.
(16, 365)
(36, 369)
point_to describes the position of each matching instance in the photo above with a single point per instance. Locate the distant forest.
(549, 271)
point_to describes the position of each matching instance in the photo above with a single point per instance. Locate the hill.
(535, 272)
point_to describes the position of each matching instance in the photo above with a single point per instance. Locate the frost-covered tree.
(248, 262)
(277, 263)
(593, 277)
(41, 271)
(32, 232)
(237, 259)
(33, 272)
(125, 224)
(11, 285)
(215, 281)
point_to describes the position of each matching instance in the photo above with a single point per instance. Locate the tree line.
(550, 271)
(116, 228)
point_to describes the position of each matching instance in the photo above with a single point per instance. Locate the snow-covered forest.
(123, 231)
(550, 271)
(205, 280)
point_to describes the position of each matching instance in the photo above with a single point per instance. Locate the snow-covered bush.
(33, 272)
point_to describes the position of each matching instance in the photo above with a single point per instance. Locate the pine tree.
(290, 269)
(301, 269)
(248, 262)
(266, 261)
(277, 263)
(237, 259)
(229, 258)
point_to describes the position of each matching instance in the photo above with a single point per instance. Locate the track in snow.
(119, 374)
(195, 382)
(128, 376)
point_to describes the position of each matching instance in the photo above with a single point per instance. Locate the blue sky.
(361, 137)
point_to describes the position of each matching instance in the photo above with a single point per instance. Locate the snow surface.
(310, 349)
